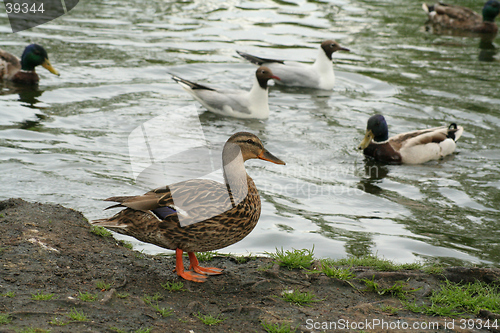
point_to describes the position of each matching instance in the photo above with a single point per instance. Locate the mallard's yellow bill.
(46, 64)
(267, 156)
(366, 141)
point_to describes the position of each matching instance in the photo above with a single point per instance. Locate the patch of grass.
(126, 244)
(87, 297)
(432, 310)
(117, 330)
(103, 286)
(278, 328)
(299, 298)
(340, 273)
(433, 269)
(58, 322)
(100, 231)
(293, 259)
(265, 267)
(122, 295)
(389, 309)
(173, 286)
(2, 216)
(244, 259)
(4, 318)
(2, 249)
(76, 316)
(206, 256)
(34, 330)
(40, 296)
(209, 319)
(398, 289)
(150, 299)
(9, 294)
(143, 330)
(164, 312)
(470, 297)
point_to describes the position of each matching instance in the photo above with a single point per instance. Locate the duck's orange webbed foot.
(194, 264)
(191, 276)
(179, 269)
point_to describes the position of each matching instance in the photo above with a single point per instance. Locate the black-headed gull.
(233, 102)
(318, 75)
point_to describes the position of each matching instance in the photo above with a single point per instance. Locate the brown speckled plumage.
(456, 17)
(215, 233)
(204, 215)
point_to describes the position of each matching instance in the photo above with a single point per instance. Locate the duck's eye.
(250, 141)
(333, 45)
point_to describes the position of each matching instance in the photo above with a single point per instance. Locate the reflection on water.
(487, 49)
(67, 140)
(375, 172)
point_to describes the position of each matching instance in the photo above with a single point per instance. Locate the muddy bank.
(48, 249)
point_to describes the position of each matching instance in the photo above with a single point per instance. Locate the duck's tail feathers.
(109, 223)
(256, 60)
(117, 199)
(190, 85)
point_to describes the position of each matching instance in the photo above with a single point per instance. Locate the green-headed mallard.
(463, 18)
(197, 215)
(23, 70)
(408, 148)
(234, 102)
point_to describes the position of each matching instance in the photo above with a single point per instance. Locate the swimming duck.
(408, 148)
(463, 18)
(197, 215)
(234, 102)
(23, 70)
(318, 75)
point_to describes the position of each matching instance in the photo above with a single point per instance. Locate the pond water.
(67, 141)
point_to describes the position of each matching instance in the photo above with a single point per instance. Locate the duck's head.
(250, 147)
(35, 55)
(263, 75)
(376, 130)
(491, 10)
(331, 46)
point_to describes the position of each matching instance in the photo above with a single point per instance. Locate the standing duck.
(318, 75)
(463, 18)
(408, 148)
(23, 70)
(233, 102)
(197, 215)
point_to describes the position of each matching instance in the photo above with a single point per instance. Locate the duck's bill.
(366, 141)
(275, 77)
(344, 49)
(46, 64)
(267, 156)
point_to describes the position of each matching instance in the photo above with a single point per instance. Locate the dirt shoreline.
(49, 249)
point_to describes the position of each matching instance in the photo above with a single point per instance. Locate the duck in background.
(319, 75)
(462, 18)
(22, 70)
(234, 102)
(414, 147)
(197, 215)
